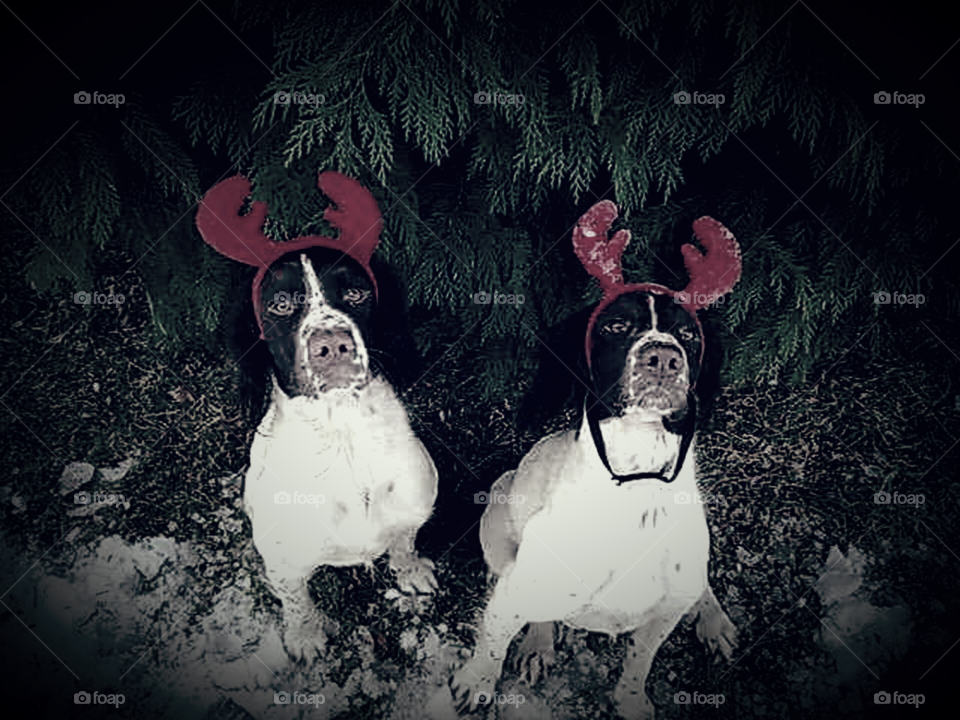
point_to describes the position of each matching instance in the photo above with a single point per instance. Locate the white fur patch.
(356, 451)
(589, 552)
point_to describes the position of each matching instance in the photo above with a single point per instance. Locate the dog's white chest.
(331, 489)
(310, 490)
(605, 557)
(337, 467)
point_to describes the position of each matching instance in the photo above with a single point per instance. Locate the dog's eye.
(281, 303)
(356, 296)
(614, 327)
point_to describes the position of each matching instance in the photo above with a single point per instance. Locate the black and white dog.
(337, 476)
(610, 537)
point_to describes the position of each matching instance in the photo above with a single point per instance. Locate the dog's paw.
(717, 631)
(535, 665)
(535, 654)
(414, 574)
(305, 641)
(473, 685)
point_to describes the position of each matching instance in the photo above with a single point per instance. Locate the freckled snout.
(656, 378)
(331, 347)
(660, 364)
(333, 358)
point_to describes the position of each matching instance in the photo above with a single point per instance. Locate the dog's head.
(316, 306)
(314, 297)
(644, 343)
(646, 352)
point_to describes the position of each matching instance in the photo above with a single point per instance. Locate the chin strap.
(689, 428)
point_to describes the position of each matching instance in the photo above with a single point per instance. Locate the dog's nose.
(329, 347)
(659, 364)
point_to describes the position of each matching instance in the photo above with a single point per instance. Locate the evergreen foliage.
(483, 196)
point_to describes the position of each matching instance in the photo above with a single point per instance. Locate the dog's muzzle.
(656, 377)
(333, 359)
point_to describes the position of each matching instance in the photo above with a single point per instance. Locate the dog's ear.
(556, 397)
(246, 349)
(708, 381)
(395, 355)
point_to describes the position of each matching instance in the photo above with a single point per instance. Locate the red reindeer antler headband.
(241, 238)
(712, 274)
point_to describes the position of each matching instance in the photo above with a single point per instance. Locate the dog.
(604, 540)
(337, 476)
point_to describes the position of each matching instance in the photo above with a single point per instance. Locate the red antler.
(601, 255)
(240, 238)
(714, 273)
(357, 216)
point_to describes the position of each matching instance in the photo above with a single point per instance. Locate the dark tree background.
(832, 196)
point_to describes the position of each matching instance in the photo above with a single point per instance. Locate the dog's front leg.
(714, 627)
(414, 573)
(629, 695)
(303, 633)
(501, 622)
